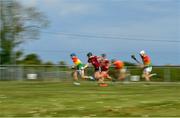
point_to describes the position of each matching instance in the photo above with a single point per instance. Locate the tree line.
(34, 59)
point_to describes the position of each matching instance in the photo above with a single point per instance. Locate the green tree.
(17, 25)
(129, 63)
(19, 55)
(49, 63)
(32, 59)
(62, 63)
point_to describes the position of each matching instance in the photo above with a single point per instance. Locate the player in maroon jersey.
(95, 62)
(105, 64)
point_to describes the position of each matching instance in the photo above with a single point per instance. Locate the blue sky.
(134, 19)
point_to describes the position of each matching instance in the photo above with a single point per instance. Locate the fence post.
(20, 73)
(167, 75)
(0, 73)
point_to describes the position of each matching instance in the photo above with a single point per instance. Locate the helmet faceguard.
(142, 52)
(89, 54)
(73, 54)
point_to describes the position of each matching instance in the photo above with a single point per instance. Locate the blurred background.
(49, 30)
(45, 32)
(38, 36)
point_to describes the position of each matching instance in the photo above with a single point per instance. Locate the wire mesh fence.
(36, 72)
(57, 72)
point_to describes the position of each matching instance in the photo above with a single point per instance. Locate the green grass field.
(64, 99)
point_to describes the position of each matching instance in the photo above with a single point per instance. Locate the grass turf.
(66, 100)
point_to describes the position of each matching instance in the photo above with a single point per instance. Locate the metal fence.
(36, 72)
(56, 72)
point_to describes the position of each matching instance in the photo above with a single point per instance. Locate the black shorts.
(97, 69)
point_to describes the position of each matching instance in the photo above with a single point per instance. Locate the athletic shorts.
(80, 72)
(147, 69)
(98, 69)
(123, 70)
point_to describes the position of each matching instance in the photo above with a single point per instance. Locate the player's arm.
(142, 65)
(73, 66)
(86, 65)
(99, 58)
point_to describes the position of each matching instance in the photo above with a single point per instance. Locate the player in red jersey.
(95, 62)
(105, 64)
(147, 67)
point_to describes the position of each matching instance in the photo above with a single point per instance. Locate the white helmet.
(142, 52)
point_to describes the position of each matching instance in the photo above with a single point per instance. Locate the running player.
(120, 69)
(95, 61)
(79, 69)
(147, 67)
(105, 64)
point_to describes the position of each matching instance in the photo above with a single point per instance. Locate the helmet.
(73, 54)
(103, 55)
(142, 52)
(89, 54)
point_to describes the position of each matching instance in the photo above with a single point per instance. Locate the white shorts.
(147, 70)
(80, 72)
(123, 70)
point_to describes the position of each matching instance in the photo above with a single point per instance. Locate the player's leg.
(146, 76)
(75, 78)
(98, 76)
(85, 77)
(75, 75)
(146, 73)
(101, 80)
(105, 75)
(153, 74)
(109, 77)
(123, 74)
